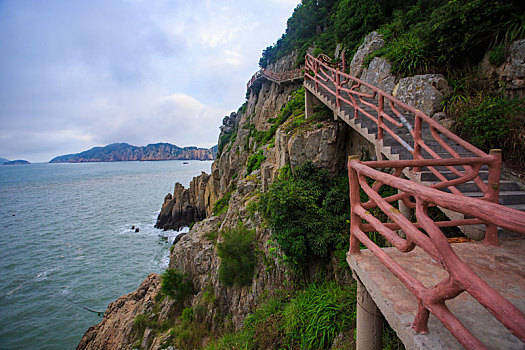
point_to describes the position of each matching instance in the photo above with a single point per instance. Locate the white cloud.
(78, 74)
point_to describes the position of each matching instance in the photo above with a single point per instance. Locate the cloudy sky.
(75, 74)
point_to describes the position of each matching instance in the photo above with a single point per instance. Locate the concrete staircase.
(510, 194)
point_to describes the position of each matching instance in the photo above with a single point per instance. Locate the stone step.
(426, 175)
(505, 197)
(472, 187)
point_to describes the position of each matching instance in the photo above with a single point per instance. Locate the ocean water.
(66, 243)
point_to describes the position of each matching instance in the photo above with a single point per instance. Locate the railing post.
(416, 154)
(337, 91)
(355, 200)
(380, 104)
(491, 235)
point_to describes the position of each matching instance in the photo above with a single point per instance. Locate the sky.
(75, 74)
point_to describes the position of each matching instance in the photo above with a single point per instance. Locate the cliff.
(233, 186)
(267, 135)
(124, 152)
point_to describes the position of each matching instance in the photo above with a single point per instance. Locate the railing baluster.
(491, 234)
(380, 106)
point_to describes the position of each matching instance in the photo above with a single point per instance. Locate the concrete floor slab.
(503, 268)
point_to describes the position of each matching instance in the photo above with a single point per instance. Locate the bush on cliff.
(307, 212)
(309, 320)
(176, 285)
(237, 255)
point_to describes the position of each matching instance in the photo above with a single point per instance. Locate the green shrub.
(488, 124)
(315, 316)
(221, 206)
(254, 162)
(176, 285)
(310, 320)
(497, 55)
(303, 224)
(237, 255)
(407, 55)
(212, 236)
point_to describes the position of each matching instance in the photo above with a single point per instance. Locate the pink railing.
(353, 92)
(277, 77)
(461, 277)
(395, 118)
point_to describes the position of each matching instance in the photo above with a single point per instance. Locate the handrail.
(277, 77)
(461, 277)
(395, 117)
(391, 116)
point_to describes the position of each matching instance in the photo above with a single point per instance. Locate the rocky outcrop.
(115, 331)
(510, 76)
(185, 206)
(124, 152)
(373, 42)
(423, 92)
(379, 74)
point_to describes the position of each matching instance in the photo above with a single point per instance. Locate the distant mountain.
(122, 151)
(16, 162)
(3, 160)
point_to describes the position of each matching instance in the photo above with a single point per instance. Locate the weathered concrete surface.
(503, 268)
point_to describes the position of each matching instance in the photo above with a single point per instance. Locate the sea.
(67, 243)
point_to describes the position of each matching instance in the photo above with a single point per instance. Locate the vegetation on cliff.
(444, 34)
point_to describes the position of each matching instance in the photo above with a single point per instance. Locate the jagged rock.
(325, 147)
(229, 123)
(373, 42)
(185, 206)
(423, 92)
(379, 74)
(510, 76)
(115, 330)
(514, 71)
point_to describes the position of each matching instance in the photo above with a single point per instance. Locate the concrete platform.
(503, 268)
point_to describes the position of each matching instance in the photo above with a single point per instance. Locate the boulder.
(379, 74)
(373, 42)
(424, 92)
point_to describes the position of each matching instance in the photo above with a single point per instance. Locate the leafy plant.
(304, 222)
(237, 255)
(254, 162)
(221, 206)
(487, 125)
(176, 285)
(407, 55)
(315, 316)
(497, 55)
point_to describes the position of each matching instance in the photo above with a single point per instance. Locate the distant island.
(16, 162)
(3, 160)
(117, 152)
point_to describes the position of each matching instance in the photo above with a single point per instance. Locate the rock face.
(510, 76)
(185, 206)
(116, 329)
(123, 151)
(424, 92)
(379, 74)
(373, 42)
(327, 144)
